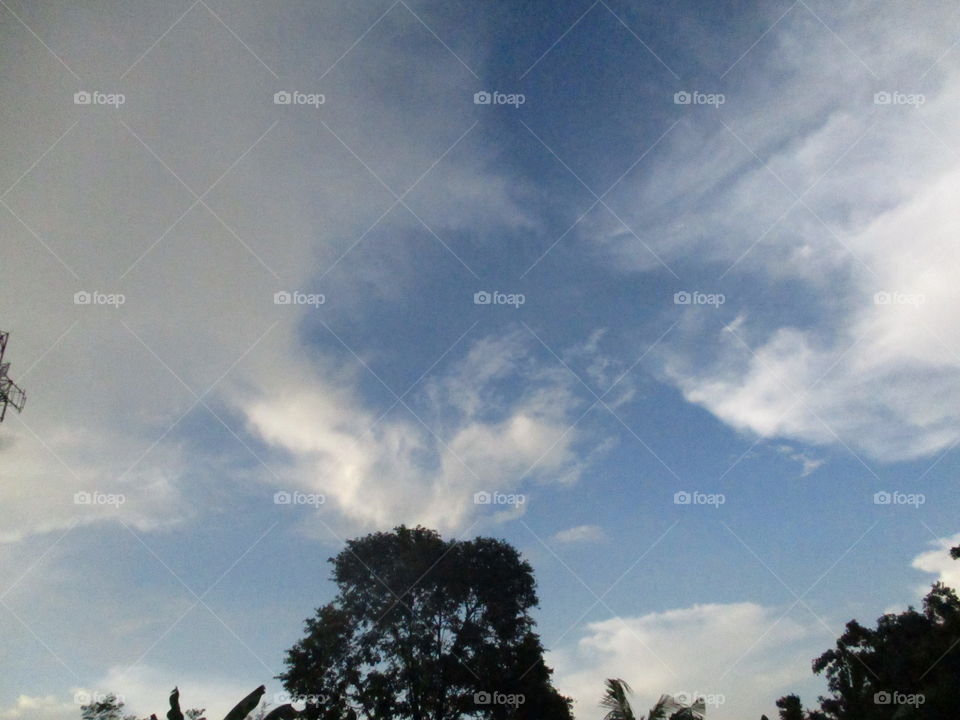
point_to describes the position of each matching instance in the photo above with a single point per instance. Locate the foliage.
(423, 628)
(615, 701)
(110, 707)
(247, 705)
(618, 706)
(790, 708)
(907, 668)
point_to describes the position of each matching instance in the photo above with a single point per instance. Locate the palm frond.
(659, 711)
(615, 701)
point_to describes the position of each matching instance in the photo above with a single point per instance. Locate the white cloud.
(40, 492)
(607, 374)
(826, 364)
(885, 382)
(690, 650)
(808, 464)
(485, 423)
(146, 689)
(580, 534)
(47, 707)
(200, 292)
(939, 562)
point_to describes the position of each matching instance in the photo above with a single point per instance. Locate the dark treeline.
(427, 629)
(905, 668)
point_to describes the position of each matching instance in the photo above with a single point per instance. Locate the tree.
(247, 705)
(615, 701)
(909, 664)
(908, 667)
(110, 707)
(790, 708)
(618, 706)
(107, 707)
(425, 629)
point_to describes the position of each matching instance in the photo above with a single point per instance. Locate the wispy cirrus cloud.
(494, 421)
(580, 534)
(783, 186)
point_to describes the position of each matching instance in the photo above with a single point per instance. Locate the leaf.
(284, 712)
(174, 712)
(245, 706)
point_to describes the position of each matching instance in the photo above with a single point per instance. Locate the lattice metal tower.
(10, 392)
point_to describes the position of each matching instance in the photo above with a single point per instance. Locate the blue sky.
(788, 168)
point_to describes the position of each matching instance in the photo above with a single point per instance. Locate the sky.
(663, 294)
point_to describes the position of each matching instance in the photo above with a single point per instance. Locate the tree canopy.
(906, 668)
(425, 629)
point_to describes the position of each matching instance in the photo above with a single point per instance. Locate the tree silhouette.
(110, 707)
(615, 701)
(908, 667)
(425, 629)
(667, 708)
(790, 708)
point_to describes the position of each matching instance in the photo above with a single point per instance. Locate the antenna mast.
(10, 392)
